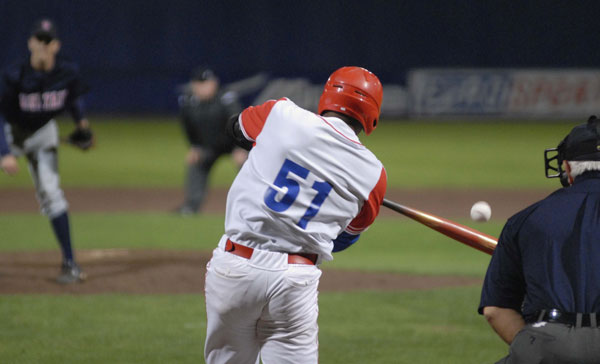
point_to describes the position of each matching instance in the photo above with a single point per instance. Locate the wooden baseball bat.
(456, 231)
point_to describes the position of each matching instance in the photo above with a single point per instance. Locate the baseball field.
(403, 294)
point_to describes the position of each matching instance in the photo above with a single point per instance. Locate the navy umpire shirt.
(548, 255)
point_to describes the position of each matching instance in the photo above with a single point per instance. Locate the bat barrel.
(454, 230)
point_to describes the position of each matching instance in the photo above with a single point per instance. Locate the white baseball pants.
(260, 308)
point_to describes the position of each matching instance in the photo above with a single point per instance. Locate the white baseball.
(481, 211)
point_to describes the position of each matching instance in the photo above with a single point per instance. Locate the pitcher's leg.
(43, 166)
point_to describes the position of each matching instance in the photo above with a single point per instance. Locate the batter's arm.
(365, 217)
(505, 321)
(343, 241)
(370, 207)
(235, 132)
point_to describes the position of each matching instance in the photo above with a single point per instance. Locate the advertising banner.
(505, 92)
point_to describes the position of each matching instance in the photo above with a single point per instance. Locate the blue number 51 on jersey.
(293, 189)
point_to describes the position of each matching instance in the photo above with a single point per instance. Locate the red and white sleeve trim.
(370, 208)
(253, 118)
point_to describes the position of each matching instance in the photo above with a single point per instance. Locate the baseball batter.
(32, 93)
(308, 188)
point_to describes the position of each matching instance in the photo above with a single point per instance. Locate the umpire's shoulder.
(542, 205)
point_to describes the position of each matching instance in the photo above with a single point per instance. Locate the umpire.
(204, 112)
(541, 293)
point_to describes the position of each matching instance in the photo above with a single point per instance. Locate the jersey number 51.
(293, 189)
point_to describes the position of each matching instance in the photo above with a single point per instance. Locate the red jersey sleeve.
(370, 208)
(253, 118)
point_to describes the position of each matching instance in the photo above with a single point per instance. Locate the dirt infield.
(177, 272)
(170, 272)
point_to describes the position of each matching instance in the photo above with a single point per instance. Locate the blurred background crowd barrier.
(504, 92)
(522, 93)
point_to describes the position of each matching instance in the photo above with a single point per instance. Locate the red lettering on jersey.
(47, 101)
(30, 102)
(370, 209)
(54, 100)
(253, 118)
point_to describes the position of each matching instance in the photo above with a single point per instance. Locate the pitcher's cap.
(44, 29)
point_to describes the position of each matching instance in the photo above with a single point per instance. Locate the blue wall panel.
(133, 53)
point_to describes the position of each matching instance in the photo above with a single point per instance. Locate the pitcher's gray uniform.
(32, 93)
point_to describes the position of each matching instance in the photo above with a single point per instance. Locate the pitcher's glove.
(82, 138)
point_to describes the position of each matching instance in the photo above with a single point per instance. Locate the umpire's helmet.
(356, 92)
(581, 144)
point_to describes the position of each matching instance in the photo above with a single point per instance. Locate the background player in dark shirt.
(32, 93)
(205, 110)
(541, 293)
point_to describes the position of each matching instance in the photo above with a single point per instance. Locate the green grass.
(439, 326)
(128, 153)
(390, 245)
(114, 230)
(403, 246)
(101, 329)
(466, 154)
(132, 153)
(434, 326)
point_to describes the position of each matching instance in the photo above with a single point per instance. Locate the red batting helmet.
(356, 92)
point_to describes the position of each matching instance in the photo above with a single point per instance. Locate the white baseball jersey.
(306, 180)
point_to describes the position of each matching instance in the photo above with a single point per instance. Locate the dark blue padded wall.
(134, 53)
